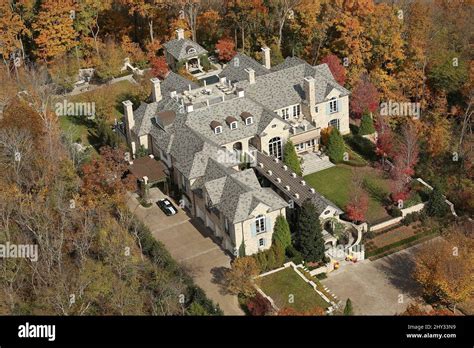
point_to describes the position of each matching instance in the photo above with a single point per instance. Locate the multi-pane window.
(333, 106)
(261, 242)
(260, 224)
(296, 110)
(218, 130)
(285, 113)
(233, 125)
(334, 123)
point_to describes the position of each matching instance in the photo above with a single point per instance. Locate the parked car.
(167, 207)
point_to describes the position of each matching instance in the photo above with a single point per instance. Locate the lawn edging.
(332, 305)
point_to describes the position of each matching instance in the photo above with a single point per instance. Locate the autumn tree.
(53, 29)
(258, 305)
(416, 309)
(444, 268)
(384, 143)
(104, 177)
(337, 70)
(239, 278)
(64, 72)
(110, 61)
(159, 67)
(365, 97)
(358, 204)
(209, 28)
(13, 31)
(225, 49)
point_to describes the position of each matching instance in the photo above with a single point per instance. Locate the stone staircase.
(312, 163)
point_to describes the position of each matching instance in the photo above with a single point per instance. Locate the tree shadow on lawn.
(376, 192)
(399, 269)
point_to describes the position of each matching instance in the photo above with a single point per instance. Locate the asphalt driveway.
(191, 244)
(381, 287)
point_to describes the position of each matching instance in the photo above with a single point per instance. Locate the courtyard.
(381, 287)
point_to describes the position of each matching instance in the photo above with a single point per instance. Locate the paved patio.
(381, 287)
(191, 244)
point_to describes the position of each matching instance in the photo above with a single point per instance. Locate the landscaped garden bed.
(288, 289)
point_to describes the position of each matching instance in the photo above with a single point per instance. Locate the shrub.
(410, 218)
(239, 277)
(290, 158)
(206, 64)
(281, 232)
(362, 146)
(336, 147)
(436, 205)
(366, 125)
(258, 305)
(294, 255)
(348, 308)
(395, 212)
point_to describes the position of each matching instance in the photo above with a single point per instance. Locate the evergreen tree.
(281, 232)
(436, 205)
(290, 158)
(310, 239)
(366, 125)
(348, 308)
(336, 147)
(242, 249)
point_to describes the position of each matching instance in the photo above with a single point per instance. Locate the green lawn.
(280, 285)
(335, 182)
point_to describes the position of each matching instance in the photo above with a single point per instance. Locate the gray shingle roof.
(236, 193)
(235, 69)
(179, 49)
(200, 120)
(147, 111)
(175, 82)
(285, 84)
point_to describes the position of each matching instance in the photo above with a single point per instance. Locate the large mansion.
(196, 130)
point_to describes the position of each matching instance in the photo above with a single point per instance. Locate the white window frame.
(285, 113)
(333, 106)
(296, 110)
(337, 123)
(260, 224)
(233, 125)
(249, 121)
(218, 130)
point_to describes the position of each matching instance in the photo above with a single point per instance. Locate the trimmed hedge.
(399, 243)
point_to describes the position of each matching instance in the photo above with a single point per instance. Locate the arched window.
(191, 50)
(334, 123)
(233, 125)
(274, 147)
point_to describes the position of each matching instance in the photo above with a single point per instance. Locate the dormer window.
(231, 122)
(247, 118)
(216, 127)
